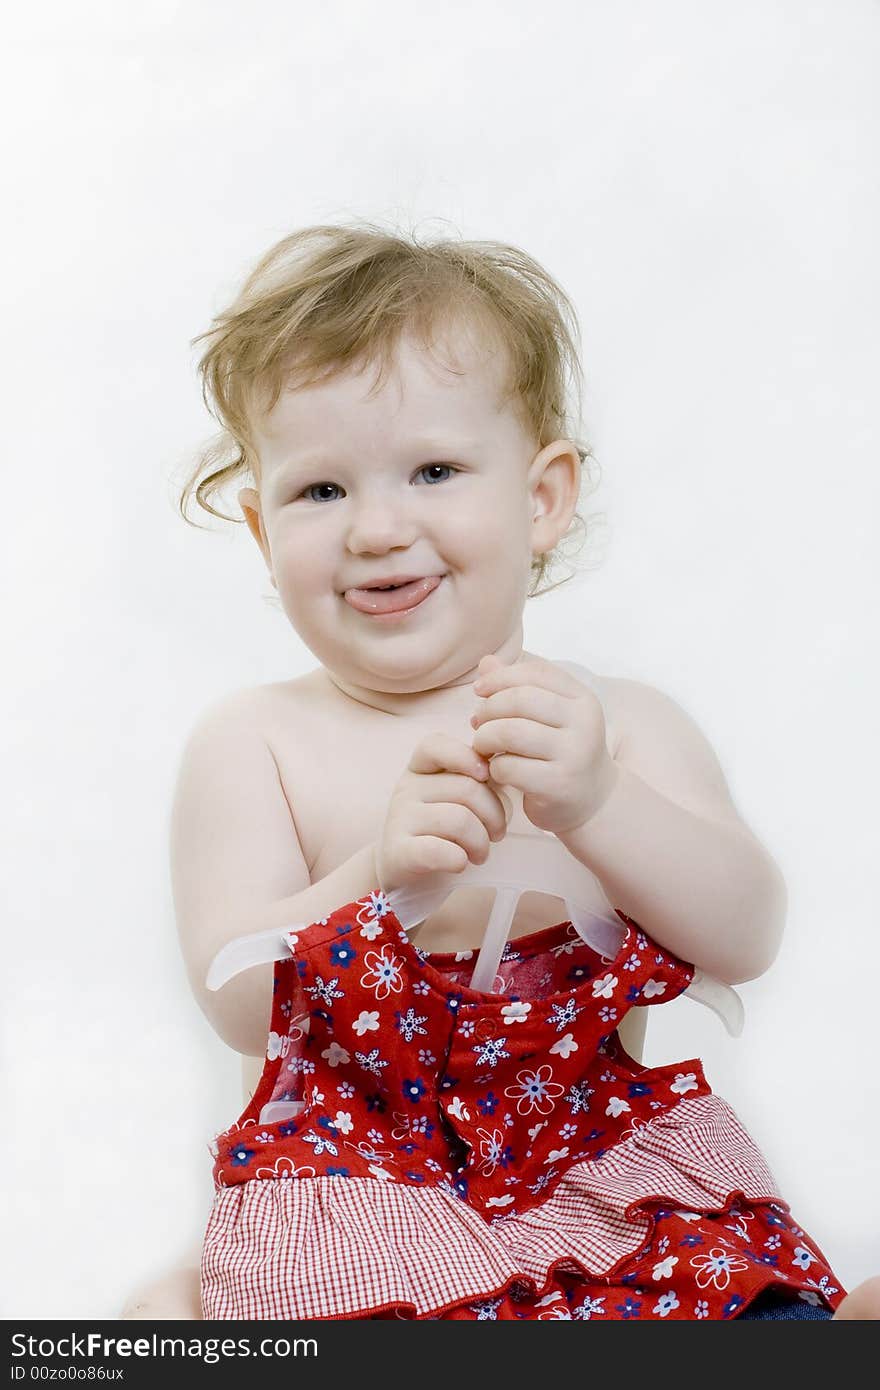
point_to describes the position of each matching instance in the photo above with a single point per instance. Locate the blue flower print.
(452, 1002)
(638, 1088)
(691, 1240)
(448, 1082)
(240, 1155)
(630, 1308)
(461, 1187)
(337, 1173)
(731, 1306)
(376, 1102)
(416, 1177)
(487, 1105)
(342, 953)
(414, 1090)
(287, 1129)
(632, 993)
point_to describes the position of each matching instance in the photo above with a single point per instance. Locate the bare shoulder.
(662, 743)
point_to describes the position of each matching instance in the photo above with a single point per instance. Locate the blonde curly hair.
(327, 297)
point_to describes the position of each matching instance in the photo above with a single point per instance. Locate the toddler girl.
(415, 1147)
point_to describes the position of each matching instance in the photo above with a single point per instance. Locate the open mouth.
(396, 598)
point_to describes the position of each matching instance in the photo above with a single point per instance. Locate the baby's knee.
(177, 1295)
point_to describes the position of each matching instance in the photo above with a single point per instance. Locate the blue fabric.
(777, 1305)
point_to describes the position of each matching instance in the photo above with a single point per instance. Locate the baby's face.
(428, 477)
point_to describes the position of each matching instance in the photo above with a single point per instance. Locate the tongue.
(392, 600)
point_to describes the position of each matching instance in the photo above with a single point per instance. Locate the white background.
(702, 178)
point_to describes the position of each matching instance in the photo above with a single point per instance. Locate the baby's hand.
(544, 733)
(442, 815)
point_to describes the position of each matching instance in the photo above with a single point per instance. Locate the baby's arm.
(672, 851)
(237, 866)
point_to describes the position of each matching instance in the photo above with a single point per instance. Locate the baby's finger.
(442, 753)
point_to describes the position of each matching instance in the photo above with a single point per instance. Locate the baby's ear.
(249, 501)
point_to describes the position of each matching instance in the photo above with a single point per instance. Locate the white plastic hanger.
(520, 863)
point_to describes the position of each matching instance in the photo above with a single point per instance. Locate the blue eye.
(313, 487)
(447, 466)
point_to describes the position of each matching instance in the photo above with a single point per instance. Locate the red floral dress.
(418, 1149)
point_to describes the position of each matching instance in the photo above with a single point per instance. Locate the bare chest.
(338, 775)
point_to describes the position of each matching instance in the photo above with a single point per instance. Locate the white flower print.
(667, 1302)
(375, 905)
(504, 1201)
(604, 987)
(632, 963)
(346, 1090)
(701, 1309)
(463, 955)
(315, 1097)
(410, 1023)
(486, 1311)
(591, 1307)
(684, 1082)
(607, 1015)
(687, 1215)
(716, 1267)
(517, 1012)
(556, 1154)
(662, 1245)
(809, 1297)
(491, 1052)
(568, 1131)
(426, 1058)
(772, 1242)
(616, 1106)
(824, 1285)
(277, 1047)
(370, 930)
(377, 1171)
(466, 1027)
(370, 1152)
(457, 1110)
(664, 1269)
(802, 1257)
(319, 1142)
(371, 1061)
(563, 1014)
(421, 987)
(382, 974)
(265, 1137)
(343, 1122)
(336, 1055)
(566, 1045)
(285, 1168)
(325, 990)
(652, 988)
(366, 1023)
(535, 1090)
(491, 1150)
